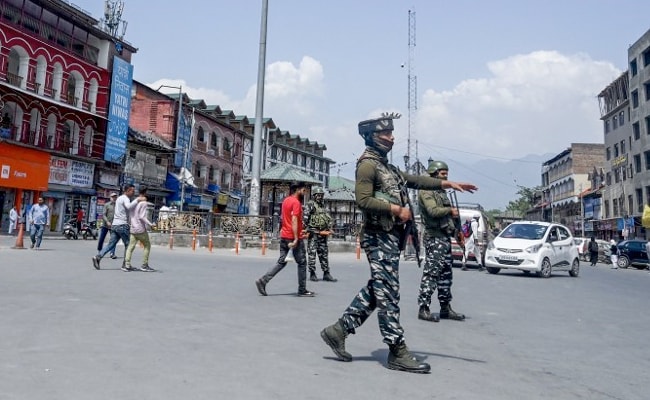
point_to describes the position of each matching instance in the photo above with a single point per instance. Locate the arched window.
(200, 135)
(213, 139)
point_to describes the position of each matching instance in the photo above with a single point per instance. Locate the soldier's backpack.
(466, 229)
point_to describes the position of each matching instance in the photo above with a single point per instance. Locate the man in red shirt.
(291, 235)
(80, 218)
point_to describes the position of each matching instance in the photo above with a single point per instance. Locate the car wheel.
(545, 272)
(575, 268)
(623, 262)
(493, 270)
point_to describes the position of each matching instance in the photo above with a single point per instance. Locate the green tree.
(525, 201)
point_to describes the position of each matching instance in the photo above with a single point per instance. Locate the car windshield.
(524, 231)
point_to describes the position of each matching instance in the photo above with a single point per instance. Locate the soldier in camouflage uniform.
(381, 196)
(319, 224)
(437, 217)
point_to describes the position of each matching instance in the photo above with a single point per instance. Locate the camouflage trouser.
(317, 245)
(437, 271)
(382, 290)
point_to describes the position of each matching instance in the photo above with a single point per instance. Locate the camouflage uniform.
(435, 209)
(317, 219)
(381, 241)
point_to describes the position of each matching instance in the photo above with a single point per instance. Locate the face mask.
(383, 145)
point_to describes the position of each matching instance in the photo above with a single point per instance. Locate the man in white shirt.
(120, 225)
(472, 246)
(13, 219)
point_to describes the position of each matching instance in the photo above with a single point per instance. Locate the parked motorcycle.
(69, 230)
(89, 230)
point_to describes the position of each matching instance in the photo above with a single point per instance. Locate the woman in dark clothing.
(593, 251)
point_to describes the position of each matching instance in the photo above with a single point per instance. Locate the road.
(197, 329)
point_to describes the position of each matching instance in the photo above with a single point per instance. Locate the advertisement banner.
(23, 168)
(60, 170)
(119, 109)
(71, 173)
(183, 144)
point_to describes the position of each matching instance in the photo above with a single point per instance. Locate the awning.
(54, 187)
(107, 186)
(160, 192)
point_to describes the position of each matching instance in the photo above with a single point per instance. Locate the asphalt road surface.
(197, 329)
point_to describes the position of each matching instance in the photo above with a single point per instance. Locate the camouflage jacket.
(315, 217)
(435, 210)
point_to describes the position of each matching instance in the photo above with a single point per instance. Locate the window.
(606, 208)
(647, 195)
(646, 57)
(615, 207)
(616, 150)
(200, 135)
(606, 123)
(635, 99)
(636, 130)
(637, 163)
(213, 140)
(621, 118)
(608, 154)
(633, 67)
(630, 204)
(608, 178)
(639, 200)
(615, 122)
(622, 146)
(646, 87)
(647, 125)
(647, 159)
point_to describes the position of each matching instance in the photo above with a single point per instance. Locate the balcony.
(14, 79)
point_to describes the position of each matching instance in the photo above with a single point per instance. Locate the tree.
(526, 200)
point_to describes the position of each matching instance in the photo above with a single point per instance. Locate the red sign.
(23, 168)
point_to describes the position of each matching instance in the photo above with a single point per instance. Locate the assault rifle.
(410, 226)
(458, 224)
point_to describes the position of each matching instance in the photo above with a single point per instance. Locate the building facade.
(57, 67)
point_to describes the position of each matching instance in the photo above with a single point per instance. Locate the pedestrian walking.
(13, 219)
(613, 253)
(138, 233)
(593, 251)
(318, 223)
(291, 235)
(438, 218)
(471, 244)
(120, 225)
(380, 190)
(39, 216)
(107, 220)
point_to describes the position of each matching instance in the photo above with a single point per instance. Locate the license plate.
(507, 257)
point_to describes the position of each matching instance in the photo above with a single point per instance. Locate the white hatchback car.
(533, 246)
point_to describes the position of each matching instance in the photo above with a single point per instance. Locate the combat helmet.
(435, 166)
(317, 190)
(368, 128)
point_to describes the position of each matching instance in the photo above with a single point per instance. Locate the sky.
(499, 79)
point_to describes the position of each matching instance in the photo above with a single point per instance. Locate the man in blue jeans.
(38, 216)
(120, 226)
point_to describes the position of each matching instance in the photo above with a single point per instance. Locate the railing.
(14, 79)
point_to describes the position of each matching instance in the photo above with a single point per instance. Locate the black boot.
(312, 276)
(401, 359)
(425, 314)
(446, 312)
(334, 335)
(327, 277)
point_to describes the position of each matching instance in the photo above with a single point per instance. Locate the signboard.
(72, 173)
(119, 109)
(23, 168)
(183, 144)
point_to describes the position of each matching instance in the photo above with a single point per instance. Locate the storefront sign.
(71, 173)
(119, 109)
(109, 178)
(23, 168)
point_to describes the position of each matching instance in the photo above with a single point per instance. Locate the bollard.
(171, 239)
(358, 249)
(237, 243)
(263, 243)
(19, 239)
(194, 239)
(210, 240)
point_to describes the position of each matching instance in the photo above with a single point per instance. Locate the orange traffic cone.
(19, 239)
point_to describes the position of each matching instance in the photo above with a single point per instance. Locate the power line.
(482, 155)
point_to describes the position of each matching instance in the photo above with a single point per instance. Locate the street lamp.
(178, 133)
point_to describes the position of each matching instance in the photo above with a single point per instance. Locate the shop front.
(70, 188)
(23, 175)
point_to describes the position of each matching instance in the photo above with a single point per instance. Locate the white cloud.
(532, 103)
